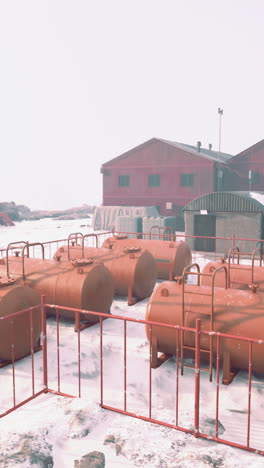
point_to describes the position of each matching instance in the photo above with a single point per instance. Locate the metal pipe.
(197, 378)
(23, 255)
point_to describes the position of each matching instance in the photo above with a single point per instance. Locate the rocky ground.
(22, 212)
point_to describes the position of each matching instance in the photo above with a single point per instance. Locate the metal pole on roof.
(220, 112)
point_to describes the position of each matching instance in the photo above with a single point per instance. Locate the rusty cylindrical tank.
(133, 270)
(240, 276)
(235, 312)
(170, 257)
(14, 298)
(83, 285)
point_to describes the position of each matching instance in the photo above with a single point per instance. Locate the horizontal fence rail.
(212, 248)
(52, 341)
(87, 240)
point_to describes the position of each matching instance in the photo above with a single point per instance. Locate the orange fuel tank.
(235, 312)
(240, 276)
(170, 257)
(14, 298)
(82, 284)
(133, 270)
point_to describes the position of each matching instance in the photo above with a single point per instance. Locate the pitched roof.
(251, 149)
(203, 153)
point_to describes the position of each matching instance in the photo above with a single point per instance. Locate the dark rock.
(208, 426)
(91, 460)
(41, 460)
(32, 458)
(32, 451)
(109, 439)
(118, 449)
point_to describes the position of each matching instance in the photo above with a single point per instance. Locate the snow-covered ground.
(66, 429)
(54, 430)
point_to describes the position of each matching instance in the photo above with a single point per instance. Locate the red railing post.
(101, 362)
(150, 371)
(177, 378)
(249, 390)
(217, 385)
(44, 343)
(79, 360)
(233, 240)
(125, 366)
(32, 352)
(13, 362)
(197, 378)
(58, 347)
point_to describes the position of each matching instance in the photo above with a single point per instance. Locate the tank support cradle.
(228, 373)
(79, 326)
(130, 300)
(36, 349)
(157, 361)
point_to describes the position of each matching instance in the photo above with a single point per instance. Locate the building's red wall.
(157, 158)
(251, 159)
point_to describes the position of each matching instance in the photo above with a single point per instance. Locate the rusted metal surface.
(240, 276)
(170, 257)
(23, 328)
(88, 286)
(220, 310)
(133, 270)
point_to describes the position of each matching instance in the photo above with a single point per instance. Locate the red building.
(247, 170)
(162, 173)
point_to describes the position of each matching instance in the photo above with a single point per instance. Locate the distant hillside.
(22, 212)
(83, 211)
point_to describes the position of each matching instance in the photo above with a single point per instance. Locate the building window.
(154, 180)
(123, 181)
(186, 180)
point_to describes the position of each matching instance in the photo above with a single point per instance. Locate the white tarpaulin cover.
(105, 216)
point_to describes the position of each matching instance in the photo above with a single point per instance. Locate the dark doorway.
(204, 225)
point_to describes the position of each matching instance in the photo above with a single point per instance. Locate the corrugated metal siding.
(225, 202)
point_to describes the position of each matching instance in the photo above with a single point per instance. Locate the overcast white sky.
(82, 81)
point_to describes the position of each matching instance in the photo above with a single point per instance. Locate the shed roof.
(203, 153)
(247, 202)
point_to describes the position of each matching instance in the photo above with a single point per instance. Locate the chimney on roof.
(199, 144)
(210, 146)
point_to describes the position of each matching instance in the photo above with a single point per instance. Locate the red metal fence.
(11, 398)
(50, 247)
(211, 248)
(182, 406)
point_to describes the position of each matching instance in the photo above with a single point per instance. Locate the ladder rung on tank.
(183, 346)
